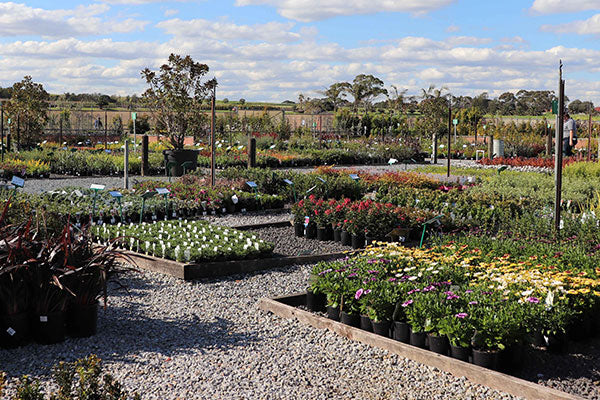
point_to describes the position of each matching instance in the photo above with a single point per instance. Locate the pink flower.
(407, 303)
(533, 300)
(461, 315)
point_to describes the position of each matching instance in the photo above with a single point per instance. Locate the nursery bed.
(288, 307)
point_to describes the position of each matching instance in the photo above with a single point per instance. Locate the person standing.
(569, 135)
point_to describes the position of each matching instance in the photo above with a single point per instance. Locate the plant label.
(306, 220)
(204, 213)
(288, 182)
(11, 331)
(253, 185)
(243, 210)
(213, 212)
(174, 214)
(43, 318)
(163, 191)
(18, 182)
(115, 194)
(153, 217)
(95, 186)
(223, 210)
(113, 220)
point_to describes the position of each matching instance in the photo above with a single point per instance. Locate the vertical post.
(8, 143)
(134, 137)
(589, 147)
(251, 153)
(434, 140)
(18, 130)
(60, 131)
(476, 132)
(491, 147)
(558, 149)
(213, 137)
(126, 165)
(2, 129)
(449, 138)
(548, 139)
(145, 165)
(105, 130)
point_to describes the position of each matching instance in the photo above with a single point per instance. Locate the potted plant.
(175, 96)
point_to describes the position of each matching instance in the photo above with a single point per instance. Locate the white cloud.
(564, 6)
(315, 10)
(170, 12)
(21, 20)
(590, 26)
(225, 30)
(453, 29)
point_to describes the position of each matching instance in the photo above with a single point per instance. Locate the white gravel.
(169, 339)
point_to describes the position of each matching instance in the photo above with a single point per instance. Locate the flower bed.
(185, 241)
(25, 169)
(474, 300)
(367, 217)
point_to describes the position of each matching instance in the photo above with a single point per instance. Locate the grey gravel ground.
(57, 181)
(288, 244)
(250, 218)
(169, 339)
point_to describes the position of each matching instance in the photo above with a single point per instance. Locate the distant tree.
(336, 93)
(434, 110)
(175, 97)
(242, 101)
(396, 98)
(225, 100)
(29, 104)
(364, 89)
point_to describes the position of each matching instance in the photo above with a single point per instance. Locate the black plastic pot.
(82, 321)
(323, 234)
(580, 329)
(511, 358)
(179, 157)
(15, 330)
(486, 359)
(49, 328)
(438, 344)
(369, 240)
(358, 241)
(365, 323)
(401, 332)
(382, 328)
(333, 313)
(315, 301)
(417, 339)
(460, 353)
(311, 231)
(556, 343)
(337, 235)
(230, 208)
(298, 229)
(350, 319)
(346, 238)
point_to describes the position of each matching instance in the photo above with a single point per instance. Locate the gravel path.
(250, 218)
(288, 244)
(169, 339)
(57, 181)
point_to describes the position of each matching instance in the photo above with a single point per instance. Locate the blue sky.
(274, 50)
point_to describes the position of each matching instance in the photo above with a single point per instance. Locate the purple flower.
(468, 291)
(534, 300)
(472, 303)
(407, 303)
(413, 291)
(373, 279)
(392, 280)
(325, 272)
(452, 297)
(373, 271)
(429, 288)
(352, 275)
(461, 315)
(340, 270)
(359, 293)
(371, 261)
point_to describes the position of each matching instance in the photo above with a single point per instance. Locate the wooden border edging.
(284, 307)
(277, 224)
(224, 268)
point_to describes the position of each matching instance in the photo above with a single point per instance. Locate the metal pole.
(126, 166)
(105, 130)
(213, 138)
(449, 138)
(134, 141)
(558, 148)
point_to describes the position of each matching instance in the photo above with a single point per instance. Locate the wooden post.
(589, 146)
(18, 131)
(2, 129)
(491, 147)
(145, 164)
(449, 136)
(126, 165)
(558, 158)
(251, 153)
(8, 143)
(434, 140)
(213, 138)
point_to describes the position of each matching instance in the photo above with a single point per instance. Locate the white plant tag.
(11, 331)
(43, 318)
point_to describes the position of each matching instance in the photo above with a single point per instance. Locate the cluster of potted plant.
(50, 284)
(25, 169)
(526, 161)
(353, 223)
(184, 241)
(456, 300)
